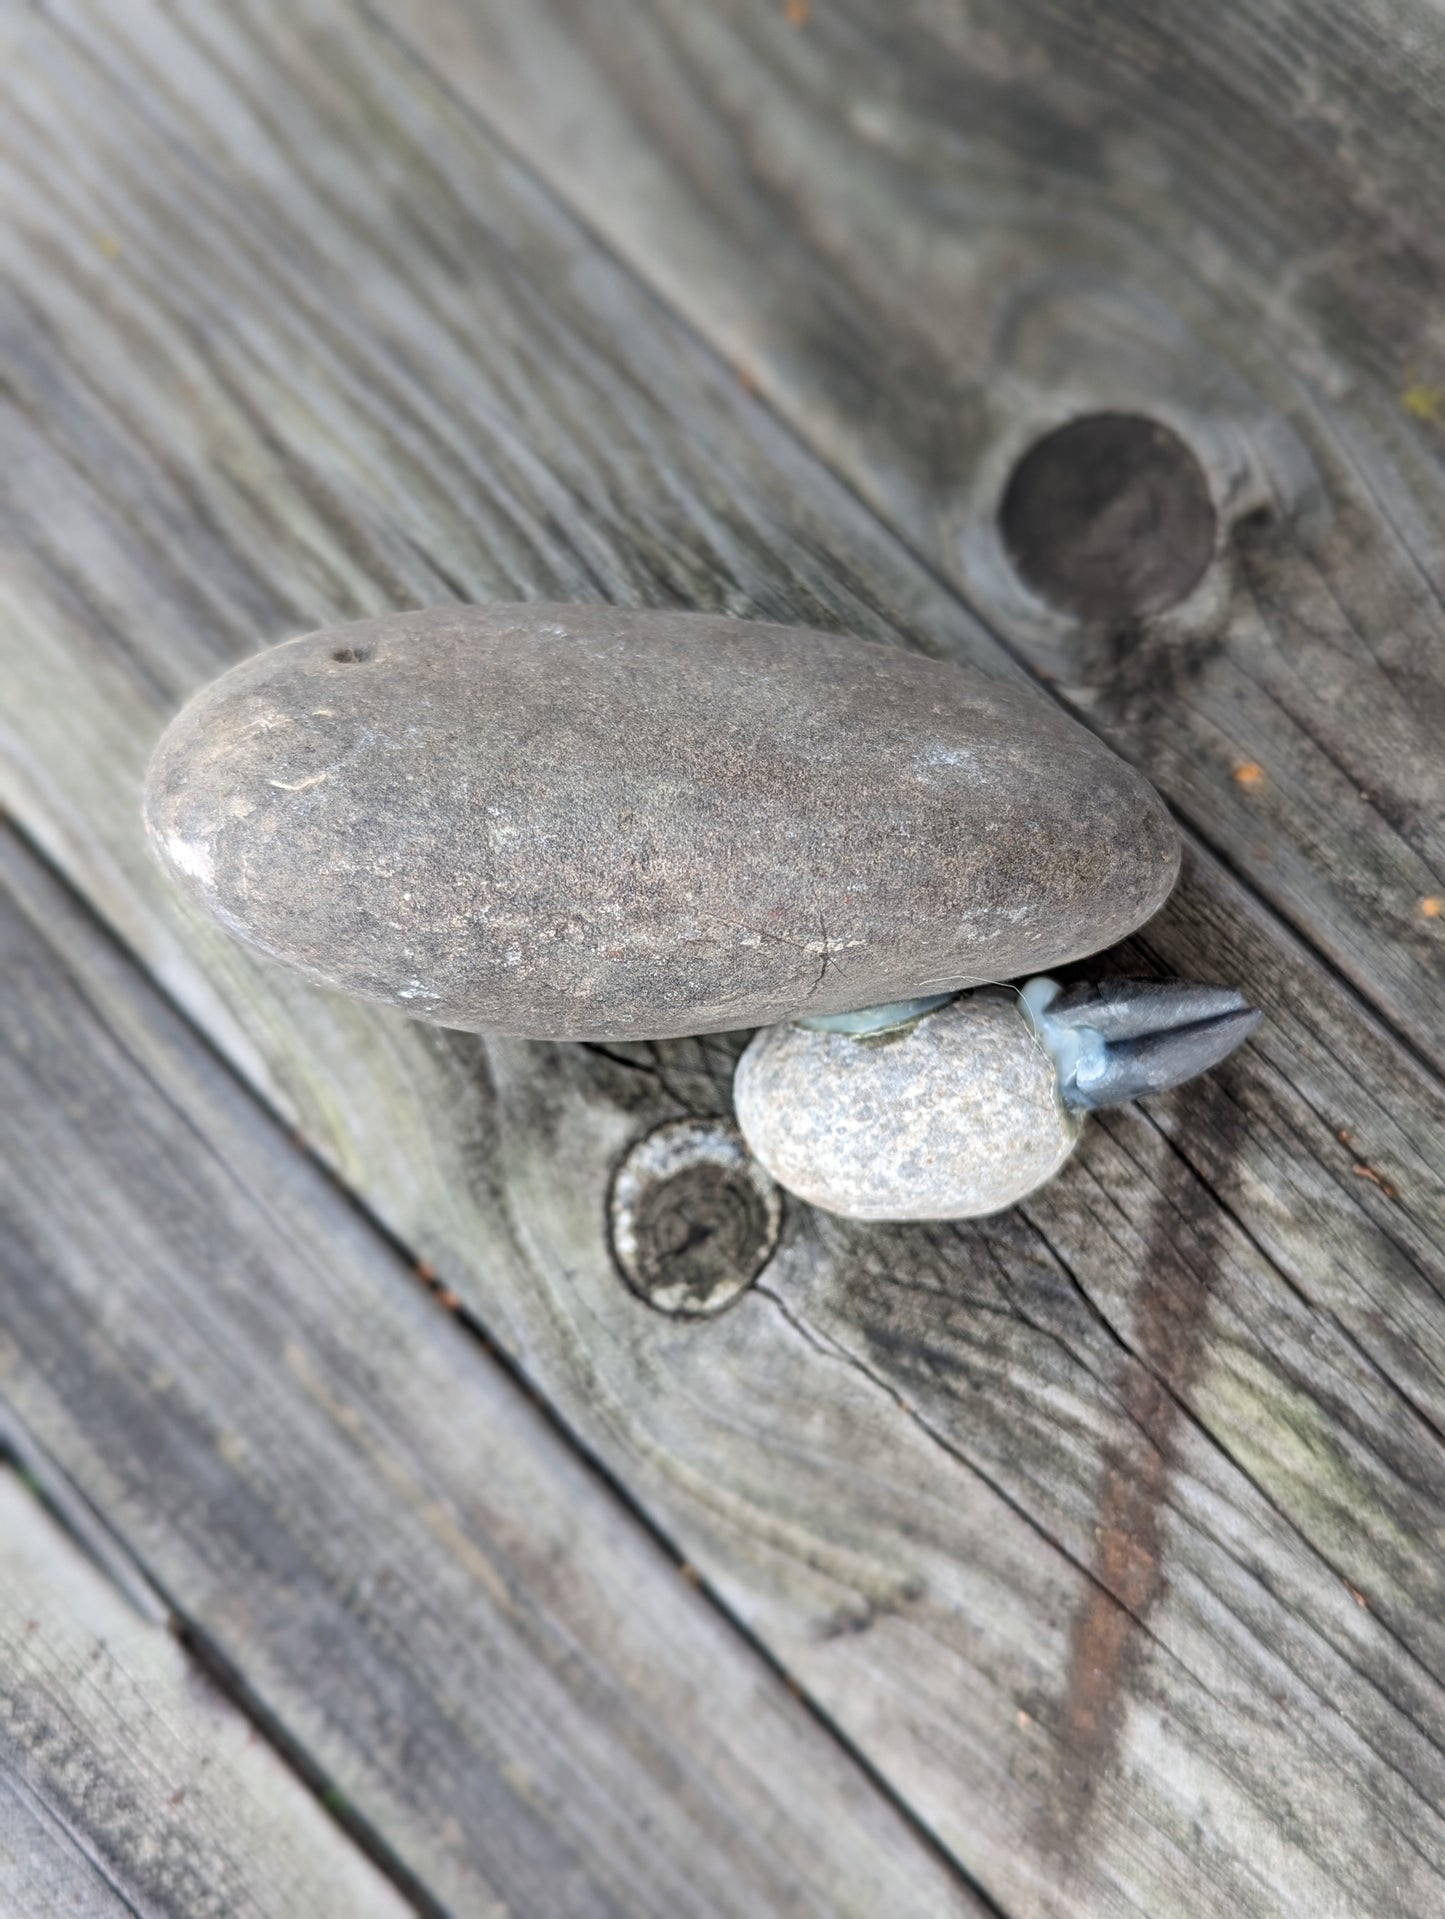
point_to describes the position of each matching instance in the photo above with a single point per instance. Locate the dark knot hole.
(1109, 518)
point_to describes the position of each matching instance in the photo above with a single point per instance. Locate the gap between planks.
(93, 1535)
(135, 1786)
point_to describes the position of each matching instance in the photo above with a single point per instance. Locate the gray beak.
(1156, 1034)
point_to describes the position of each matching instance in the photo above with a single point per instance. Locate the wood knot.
(694, 1217)
(1109, 518)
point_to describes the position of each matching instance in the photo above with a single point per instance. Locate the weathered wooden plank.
(1059, 1517)
(411, 1573)
(930, 235)
(128, 1784)
(1121, 1365)
(43, 1869)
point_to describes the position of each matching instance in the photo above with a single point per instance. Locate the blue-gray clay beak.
(1155, 1034)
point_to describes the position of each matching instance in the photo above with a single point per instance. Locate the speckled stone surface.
(957, 1116)
(580, 822)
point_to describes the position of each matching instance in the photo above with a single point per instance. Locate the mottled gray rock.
(580, 822)
(956, 1115)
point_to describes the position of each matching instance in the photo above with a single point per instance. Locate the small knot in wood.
(1109, 518)
(694, 1218)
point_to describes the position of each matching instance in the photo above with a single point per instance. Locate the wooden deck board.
(981, 220)
(1108, 1532)
(128, 1784)
(43, 1869)
(341, 1494)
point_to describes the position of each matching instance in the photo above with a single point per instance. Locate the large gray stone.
(580, 822)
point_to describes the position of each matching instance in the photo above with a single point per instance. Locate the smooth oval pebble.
(589, 823)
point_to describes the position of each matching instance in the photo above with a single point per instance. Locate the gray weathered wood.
(128, 1784)
(43, 1869)
(328, 1479)
(1110, 1531)
(930, 235)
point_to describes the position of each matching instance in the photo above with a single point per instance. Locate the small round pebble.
(954, 1116)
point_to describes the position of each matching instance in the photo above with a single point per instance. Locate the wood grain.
(1109, 1531)
(931, 234)
(128, 1784)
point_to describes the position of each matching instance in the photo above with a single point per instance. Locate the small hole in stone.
(1252, 527)
(1109, 518)
(351, 655)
